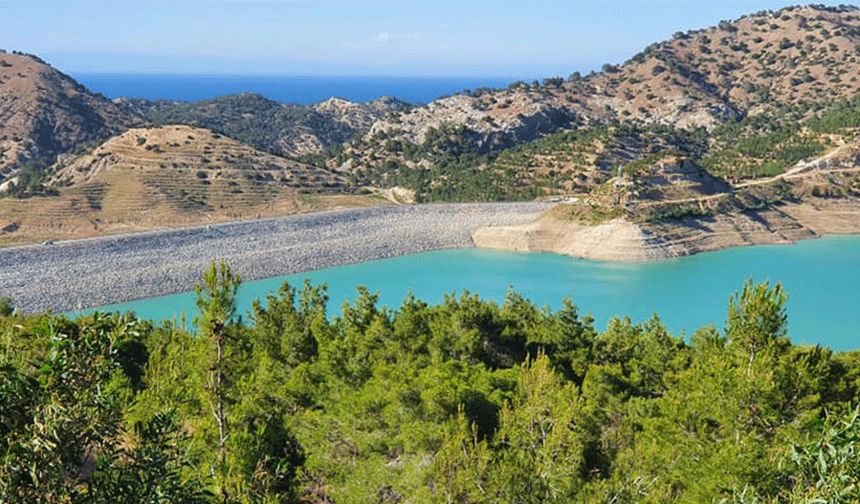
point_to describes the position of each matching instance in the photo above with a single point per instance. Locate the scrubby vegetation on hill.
(30, 178)
(283, 129)
(753, 93)
(465, 401)
(445, 166)
(569, 162)
(768, 144)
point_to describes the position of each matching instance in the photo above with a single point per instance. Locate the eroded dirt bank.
(622, 240)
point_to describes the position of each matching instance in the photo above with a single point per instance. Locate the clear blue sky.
(407, 37)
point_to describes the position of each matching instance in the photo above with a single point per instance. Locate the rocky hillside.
(797, 55)
(44, 113)
(359, 117)
(798, 60)
(283, 129)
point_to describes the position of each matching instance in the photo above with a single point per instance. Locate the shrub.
(6, 306)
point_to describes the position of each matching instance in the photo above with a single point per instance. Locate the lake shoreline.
(620, 240)
(686, 293)
(92, 272)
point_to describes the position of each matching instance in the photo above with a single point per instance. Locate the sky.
(474, 38)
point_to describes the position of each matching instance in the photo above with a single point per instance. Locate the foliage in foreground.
(467, 401)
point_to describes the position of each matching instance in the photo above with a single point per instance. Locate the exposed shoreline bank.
(112, 269)
(624, 241)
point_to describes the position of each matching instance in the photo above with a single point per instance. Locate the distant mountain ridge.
(284, 129)
(45, 113)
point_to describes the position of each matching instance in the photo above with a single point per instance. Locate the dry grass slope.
(172, 176)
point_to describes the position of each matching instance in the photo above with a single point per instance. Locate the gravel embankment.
(98, 271)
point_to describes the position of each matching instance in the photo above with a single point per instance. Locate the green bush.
(465, 401)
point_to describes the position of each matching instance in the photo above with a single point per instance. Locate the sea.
(287, 89)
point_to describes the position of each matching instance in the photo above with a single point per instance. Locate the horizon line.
(298, 76)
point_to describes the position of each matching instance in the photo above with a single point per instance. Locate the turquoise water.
(822, 278)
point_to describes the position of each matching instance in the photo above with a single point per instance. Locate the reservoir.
(822, 278)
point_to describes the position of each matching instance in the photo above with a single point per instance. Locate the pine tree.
(216, 300)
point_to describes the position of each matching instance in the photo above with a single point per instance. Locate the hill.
(174, 149)
(763, 75)
(148, 178)
(284, 129)
(671, 207)
(45, 113)
(796, 55)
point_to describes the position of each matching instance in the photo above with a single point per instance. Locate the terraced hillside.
(179, 147)
(169, 176)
